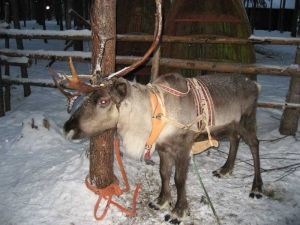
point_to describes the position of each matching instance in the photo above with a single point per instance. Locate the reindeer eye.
(103, 102)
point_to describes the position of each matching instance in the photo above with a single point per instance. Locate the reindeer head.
(98, 112)
(100, 109)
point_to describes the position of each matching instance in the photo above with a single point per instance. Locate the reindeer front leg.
(180, 210)
(166, 163)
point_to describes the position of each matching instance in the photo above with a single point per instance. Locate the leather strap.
(158, 124)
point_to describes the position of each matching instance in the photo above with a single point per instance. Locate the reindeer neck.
(134, 124)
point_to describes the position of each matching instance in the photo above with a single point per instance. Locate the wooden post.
(290, 116)
(103, 21)
(15, 8)
(14, 5)
(59, 14)
(26, 87)
(68, 5)
(2, 109)
(270, 15)
(6, 71)
(295, 19)
(78, 45)
(44, 18)
(155, 65)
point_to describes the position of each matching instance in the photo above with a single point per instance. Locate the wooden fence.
(290, 70)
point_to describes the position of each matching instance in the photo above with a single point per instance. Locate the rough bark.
(103, 21)
(290, 116)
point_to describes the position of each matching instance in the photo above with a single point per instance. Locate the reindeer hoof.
(158, 205)
(256, 195)
(167, 217)
(216, 174)
(222, 172)
(175, 221)
(177, 217)
(151, 205)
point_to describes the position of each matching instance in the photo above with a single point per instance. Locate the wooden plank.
(200, 39)
(278, 105)
(50, 84)
(15, 61)
(33, 82)
(291, 70)
(222, 18)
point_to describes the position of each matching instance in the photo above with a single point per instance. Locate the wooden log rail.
(49, 83)
(197, 39)
(15, 61)
(291, 70)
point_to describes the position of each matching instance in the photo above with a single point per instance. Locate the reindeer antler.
(157, 33)
(75, 83)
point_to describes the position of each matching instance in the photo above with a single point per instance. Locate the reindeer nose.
(71, 128)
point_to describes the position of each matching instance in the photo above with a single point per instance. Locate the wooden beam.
(15, 61)
(200, 39)
(290, 70)
(50, 84)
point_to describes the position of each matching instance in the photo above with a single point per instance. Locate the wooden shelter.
(213, 18)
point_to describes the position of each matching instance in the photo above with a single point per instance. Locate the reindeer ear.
(119, 91)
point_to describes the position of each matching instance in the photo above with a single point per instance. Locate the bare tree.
(103, 23)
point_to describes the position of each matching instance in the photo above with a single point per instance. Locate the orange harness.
(158, 123)
(203, 103)
(113, 189)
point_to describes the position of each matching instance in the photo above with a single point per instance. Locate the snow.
(48, 53)
(73, 33)
(42, 174)
(21, 60)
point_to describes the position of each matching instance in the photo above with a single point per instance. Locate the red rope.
(113, 189)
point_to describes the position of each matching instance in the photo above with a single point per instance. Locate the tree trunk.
(290, 116)
(78, 7)
(68, 5)
(15, 10)
(103, 21)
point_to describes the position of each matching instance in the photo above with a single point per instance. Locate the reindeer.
(127, 106)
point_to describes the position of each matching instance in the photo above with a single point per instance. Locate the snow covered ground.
(42, 174)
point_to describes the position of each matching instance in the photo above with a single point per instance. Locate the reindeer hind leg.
(248, 133)
(227, 168)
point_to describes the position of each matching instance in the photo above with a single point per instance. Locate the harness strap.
(158, 111)
(113, 189)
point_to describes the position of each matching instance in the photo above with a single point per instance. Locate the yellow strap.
(157, 123)
(201, 146)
